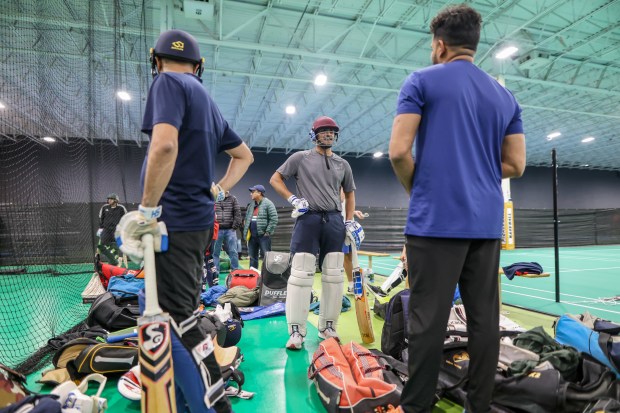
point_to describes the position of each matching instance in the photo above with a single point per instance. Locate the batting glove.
(355, 233)
(133, 225)
(217, 192)
(99, 232)
(300, 204)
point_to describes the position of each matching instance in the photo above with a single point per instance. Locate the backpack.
(83, 356)
(275, 272)
(247, 278)
(349, 379)
(597, 337)
(394, 338)
(114, 313)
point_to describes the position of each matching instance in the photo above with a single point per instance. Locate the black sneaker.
(377, 290)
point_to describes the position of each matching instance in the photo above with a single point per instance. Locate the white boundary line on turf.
(564, 302)
(547, 291)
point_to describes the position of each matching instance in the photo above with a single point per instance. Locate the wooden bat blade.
(156, 373)
(362, 309)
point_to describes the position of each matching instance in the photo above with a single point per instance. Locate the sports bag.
(275, 272)
(247, 278)
(114, 313)
(597, 337)
(12, 386)
(83, 356)
(394, 339)
(542, 390)
(349, 379)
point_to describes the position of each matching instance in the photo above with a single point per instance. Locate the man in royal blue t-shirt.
(186, 131)
(469, 137)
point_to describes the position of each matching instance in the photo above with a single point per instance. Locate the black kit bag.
(544, 391)
(114, 313)
(83, 356)
(394, 339)
(275, 272)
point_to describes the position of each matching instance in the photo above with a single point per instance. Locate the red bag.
(349, 379)
(247, 278)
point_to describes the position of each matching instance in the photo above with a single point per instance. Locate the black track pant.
(435, 267)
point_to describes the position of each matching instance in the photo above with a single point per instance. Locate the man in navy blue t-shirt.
(186, 131)
(469, 137)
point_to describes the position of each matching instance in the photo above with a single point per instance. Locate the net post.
(556, 246)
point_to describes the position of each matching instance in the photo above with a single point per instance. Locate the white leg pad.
(332, 279)
(397, 276)
(299, 290)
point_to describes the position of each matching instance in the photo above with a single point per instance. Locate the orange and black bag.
(349, 379)
(247, 278)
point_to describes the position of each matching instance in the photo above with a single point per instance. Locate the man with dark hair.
(228, 214)
(468, 135)
(109, 216)
(186, 131)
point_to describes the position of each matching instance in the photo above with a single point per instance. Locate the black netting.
(49, 203)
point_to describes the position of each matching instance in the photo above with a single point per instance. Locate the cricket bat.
(156, 372)
(362, 310)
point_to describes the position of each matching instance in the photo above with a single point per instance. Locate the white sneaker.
(295, 341)
(350, 291)
(329, 332)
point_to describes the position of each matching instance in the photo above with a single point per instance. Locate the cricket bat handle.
(150, 282)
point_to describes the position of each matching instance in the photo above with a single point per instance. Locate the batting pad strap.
(332, 279)
(299, 290)
(196, 371)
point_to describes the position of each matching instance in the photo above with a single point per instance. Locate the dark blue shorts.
(318, 233)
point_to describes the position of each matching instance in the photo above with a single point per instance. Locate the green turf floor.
(279, 376)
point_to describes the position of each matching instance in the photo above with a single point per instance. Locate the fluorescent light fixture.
(290, 110)
(588, 139)
(506, 52)
(49, 139)
(585, 164)
(2, 106)
(123, 95)
(320, 80)
(377, 154)
(553, 135)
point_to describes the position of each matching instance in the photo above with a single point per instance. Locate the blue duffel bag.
(594, 336)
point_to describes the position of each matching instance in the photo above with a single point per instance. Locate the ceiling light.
(320, 80)
(49, 139)
(290, 109)
(377, 154)
(553, 135)
(123, 95)
(506, 52)
(585, 164)
(588, 139)
(2, 106)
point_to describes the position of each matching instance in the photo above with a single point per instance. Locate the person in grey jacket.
(228, 215)
(261, 219)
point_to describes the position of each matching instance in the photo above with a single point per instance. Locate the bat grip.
(151, 305)
(354, 260)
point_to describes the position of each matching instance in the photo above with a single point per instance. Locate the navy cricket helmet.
(177, 45)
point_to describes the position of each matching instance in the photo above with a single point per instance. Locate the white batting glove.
(99, 232)
(355, 233)
(133, 225)
(217, 192)
(300, 204)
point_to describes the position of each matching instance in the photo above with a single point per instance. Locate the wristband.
(150, 212)
(291, 199)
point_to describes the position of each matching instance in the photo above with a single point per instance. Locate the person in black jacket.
(228, 215)
(109, 216)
